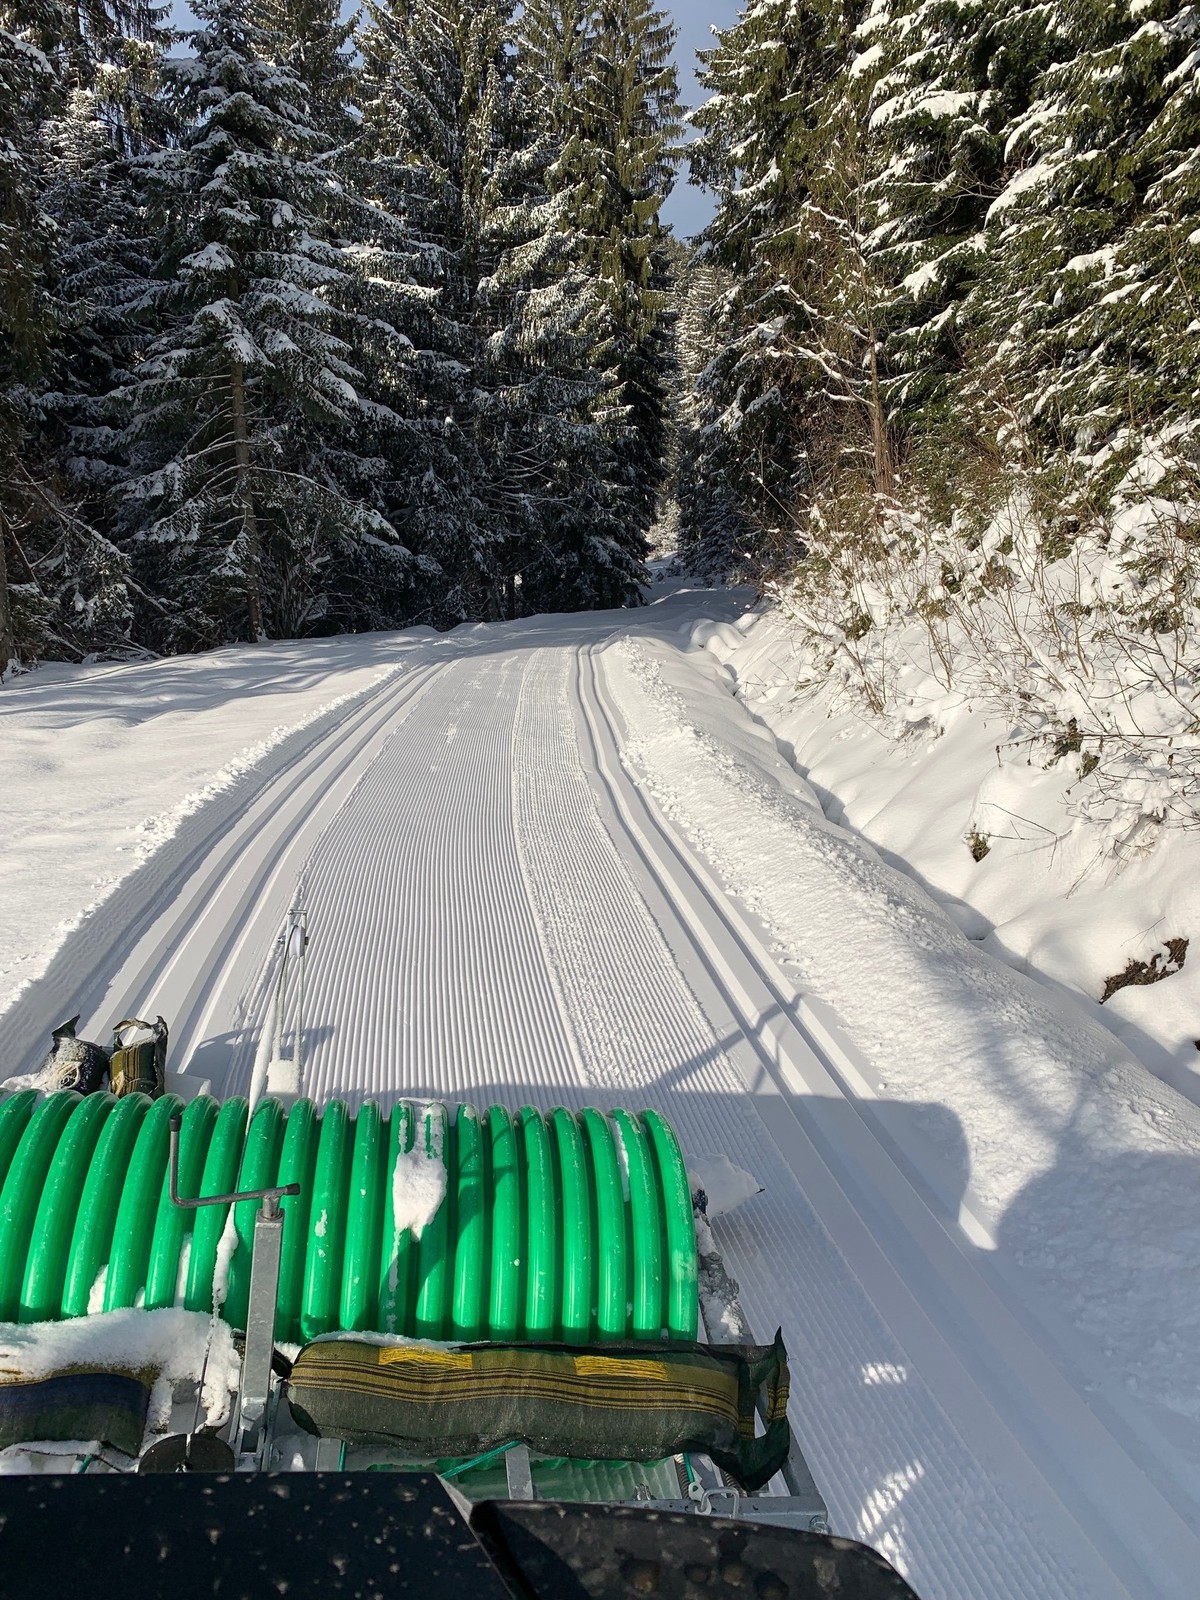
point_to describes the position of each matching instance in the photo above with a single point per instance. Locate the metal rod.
(177, 1199)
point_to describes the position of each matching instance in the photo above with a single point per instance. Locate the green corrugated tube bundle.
(432, 1221)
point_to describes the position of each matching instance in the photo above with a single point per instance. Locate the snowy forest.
(312, 324)
(940, 353)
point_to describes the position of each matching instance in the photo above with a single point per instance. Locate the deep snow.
(1058, 893)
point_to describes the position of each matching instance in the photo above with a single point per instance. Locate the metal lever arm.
(177, 1199)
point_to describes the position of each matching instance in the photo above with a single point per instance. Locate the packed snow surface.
(558, 863)
(100, 766)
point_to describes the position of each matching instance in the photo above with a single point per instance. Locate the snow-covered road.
(510, 900)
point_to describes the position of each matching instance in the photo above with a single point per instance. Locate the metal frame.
(803, 1506)
(253, 1426)
(247, 1432)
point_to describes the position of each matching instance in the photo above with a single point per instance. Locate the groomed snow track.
(499, 912)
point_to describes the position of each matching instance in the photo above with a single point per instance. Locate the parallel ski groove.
(495, 916)
(1111, 1533)
(441, 988)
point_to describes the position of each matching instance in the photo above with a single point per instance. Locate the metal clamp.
(704, 1501)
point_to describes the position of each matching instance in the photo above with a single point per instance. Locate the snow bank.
(101, 765)
(988, 821)
(1082, 1169)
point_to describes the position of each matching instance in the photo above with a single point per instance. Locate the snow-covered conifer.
(767, 79)
(251, 363)
(631, 114)
(1088, 254)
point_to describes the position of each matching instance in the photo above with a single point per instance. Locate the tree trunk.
(8, 643)
(241, 456)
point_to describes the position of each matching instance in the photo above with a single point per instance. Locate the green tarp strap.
(610, 1402)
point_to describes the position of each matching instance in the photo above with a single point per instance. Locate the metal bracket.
(274, 1194)
(803, 1505)
(254, 1389)
(519, 1472)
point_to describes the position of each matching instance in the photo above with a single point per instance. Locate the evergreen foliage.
(327, 324)
(62, 582)
(958, 236)
(239, 413)
(767, 78)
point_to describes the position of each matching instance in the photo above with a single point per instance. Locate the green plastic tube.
(91, 1239)
(327, 1224)
(578, 1256)
(50, 1241)
(571, 1226)
(645, 1229)
(297, 1164)
(364, 1222)
(220, 1176)
(258, 1170)
(612, 1275)
(507, 1280)
(138, 1209)
(675, 1194)
(15, 1113)
(470, 1224)
(541, 1240)
(397, 1261)
(23, 1190)
(174, 1225)
(434, 1274)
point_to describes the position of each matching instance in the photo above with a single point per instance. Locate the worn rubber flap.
(625, 1402)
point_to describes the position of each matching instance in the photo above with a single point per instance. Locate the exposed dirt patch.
(1160, 965)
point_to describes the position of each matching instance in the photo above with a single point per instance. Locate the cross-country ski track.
(501, 910)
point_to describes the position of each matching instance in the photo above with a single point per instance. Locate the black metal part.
(174, 1126)
(309, 1536)
(556, 1550)
(188, 1452)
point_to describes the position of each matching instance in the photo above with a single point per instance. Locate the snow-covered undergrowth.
(100, 766)
(1020, 729)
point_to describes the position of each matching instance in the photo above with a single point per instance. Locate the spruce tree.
(251, 362)
(589, 549)
(26, 312)
(1159, 251)
(1069, 314)
(438, 75)
(768, 78)
(62, 588)
(714, 532)
(934, 116)
(631, 116)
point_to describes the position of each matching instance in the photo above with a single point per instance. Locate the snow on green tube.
(428, 1220)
